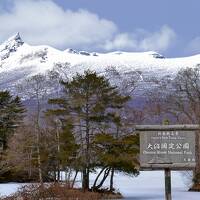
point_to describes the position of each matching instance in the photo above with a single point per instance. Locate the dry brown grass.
(52, 192)
(195, 188)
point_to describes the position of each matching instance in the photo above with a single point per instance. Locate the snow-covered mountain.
(19, 60)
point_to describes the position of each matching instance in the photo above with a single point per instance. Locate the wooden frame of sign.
(168, 147)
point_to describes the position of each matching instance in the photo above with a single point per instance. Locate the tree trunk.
(85, 181)
(74, 180)
(196, 172)
(54, 175)
(106, 173)
(111, 179)
(58, 150)
(95, 182)
(39, 165)
(38, 141)
(86, 169)
(69, 177)
(30, 164)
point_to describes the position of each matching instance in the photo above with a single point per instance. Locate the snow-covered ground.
(149, 185)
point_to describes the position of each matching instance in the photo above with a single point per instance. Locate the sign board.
(174, 149)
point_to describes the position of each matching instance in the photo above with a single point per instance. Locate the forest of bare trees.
(178, 101)
(85, 124)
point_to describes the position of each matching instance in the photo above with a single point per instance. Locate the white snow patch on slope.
(27, 60)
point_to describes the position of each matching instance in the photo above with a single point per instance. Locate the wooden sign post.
(168, 193)
(167, 147)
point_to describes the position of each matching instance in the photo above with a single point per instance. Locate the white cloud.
(121, 41)
(45, 22)
(160, 40)
(193, 46)
(143, 40)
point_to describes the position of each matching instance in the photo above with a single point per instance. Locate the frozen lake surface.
(149, 185)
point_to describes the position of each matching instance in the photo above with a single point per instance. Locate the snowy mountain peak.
(10, 46)
(19, 60)
(13, 41)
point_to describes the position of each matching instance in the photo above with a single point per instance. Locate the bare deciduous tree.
(178, 99)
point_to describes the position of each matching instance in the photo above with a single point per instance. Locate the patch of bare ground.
(195, 188)
(59, 192)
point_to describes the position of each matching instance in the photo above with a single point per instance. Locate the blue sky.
(170, 27)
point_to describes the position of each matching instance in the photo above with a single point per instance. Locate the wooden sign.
(167, 148)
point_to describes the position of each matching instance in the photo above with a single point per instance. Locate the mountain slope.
(18, 60)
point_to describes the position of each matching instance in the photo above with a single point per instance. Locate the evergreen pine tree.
(11, 115)
(119, 154)
(88, 101)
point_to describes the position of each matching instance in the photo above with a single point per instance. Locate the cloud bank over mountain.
(142, 40)
(45, 22)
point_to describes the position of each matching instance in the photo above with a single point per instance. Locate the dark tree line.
(11, 115)
(80, 132)
(86, 127)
